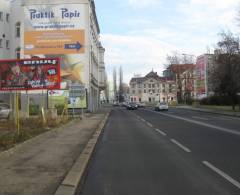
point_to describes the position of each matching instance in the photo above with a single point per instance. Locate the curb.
(75, 176)
(212, 111)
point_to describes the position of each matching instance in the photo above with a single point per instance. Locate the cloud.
(137, 54)
(143, 3)
(210, 13)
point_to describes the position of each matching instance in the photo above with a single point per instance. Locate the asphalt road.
(178, 152)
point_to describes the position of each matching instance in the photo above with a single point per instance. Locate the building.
(188, 83)
(184, 78)
(152, 88)
(36, 28)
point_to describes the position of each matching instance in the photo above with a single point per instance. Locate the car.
(141, 104)
(161, 106)
(115, 104)
(132, 106)
(4, 111)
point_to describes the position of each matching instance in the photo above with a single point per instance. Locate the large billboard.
(29, 74)
(58, 31)
(201, 76)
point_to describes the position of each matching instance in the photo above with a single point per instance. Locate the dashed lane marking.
(149, 124)
(180, 145)
(161, 132)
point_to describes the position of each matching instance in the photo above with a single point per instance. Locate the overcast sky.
(138, 34)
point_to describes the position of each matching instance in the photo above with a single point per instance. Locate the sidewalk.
(227, 113)
(40, 165)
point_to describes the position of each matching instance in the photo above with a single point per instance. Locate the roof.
(150, 75)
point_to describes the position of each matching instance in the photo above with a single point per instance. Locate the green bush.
(34, 110)
(60, 108)
(216, 100)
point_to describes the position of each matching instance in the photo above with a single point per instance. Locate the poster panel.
(58, 31)
(201, 76)
(30, 74)
(61, 97)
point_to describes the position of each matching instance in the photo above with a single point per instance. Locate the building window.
(7, 44)
(163, 90)
(139, 91)
(151, 81)
(163, 85)
(1, 16)
(153, 90)
(1, 43)
(139, 85)
(149, 85)
(18, 29)
(140, 99)
(133, 91)
(149, 91)
(7, 17)
(158, 85)
(144, 85)
(153, 85)
(18, 52)
(170, 90)
(145, 91)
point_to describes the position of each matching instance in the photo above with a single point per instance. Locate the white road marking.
(221, 173)
(180, 145)
(197, 117)
(161, 132)
(235, 132)
(149, 124)
(143, 120)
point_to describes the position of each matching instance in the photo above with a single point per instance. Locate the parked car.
(4, 111)
(132, 106)
(141, 104)
(161, 106)
(115, 104)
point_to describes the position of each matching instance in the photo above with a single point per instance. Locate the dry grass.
(29, 128)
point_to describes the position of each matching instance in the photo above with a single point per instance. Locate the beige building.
(152, 88)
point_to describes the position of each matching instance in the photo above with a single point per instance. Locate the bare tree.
(226, 71)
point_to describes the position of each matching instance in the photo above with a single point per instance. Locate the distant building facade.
(152, 88)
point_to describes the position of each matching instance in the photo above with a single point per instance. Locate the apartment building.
(152, 88)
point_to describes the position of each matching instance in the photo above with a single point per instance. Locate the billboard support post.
(17, 122)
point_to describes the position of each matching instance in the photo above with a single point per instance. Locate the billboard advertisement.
(58, 31)
(62, 97)
(30, 74)
(201, 76)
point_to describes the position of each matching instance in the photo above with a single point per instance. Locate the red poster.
(30, 74)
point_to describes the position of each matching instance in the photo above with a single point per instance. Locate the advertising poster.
(58, 31)
(62, 97)
(201, 76)
(30, 74)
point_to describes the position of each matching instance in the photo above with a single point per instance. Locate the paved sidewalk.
(228, 113)
(39, 166)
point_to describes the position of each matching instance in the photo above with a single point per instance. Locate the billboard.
(58, 31)
(61, 97)
(201, 76)
(30, 74)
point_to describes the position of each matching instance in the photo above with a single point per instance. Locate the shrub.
(34, 109)
(60, 108)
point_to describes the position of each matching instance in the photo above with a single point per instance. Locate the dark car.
(132, 106)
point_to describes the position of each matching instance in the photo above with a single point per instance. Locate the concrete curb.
(75, 176)
(211, 111)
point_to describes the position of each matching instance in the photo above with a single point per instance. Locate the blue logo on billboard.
(76, 46)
